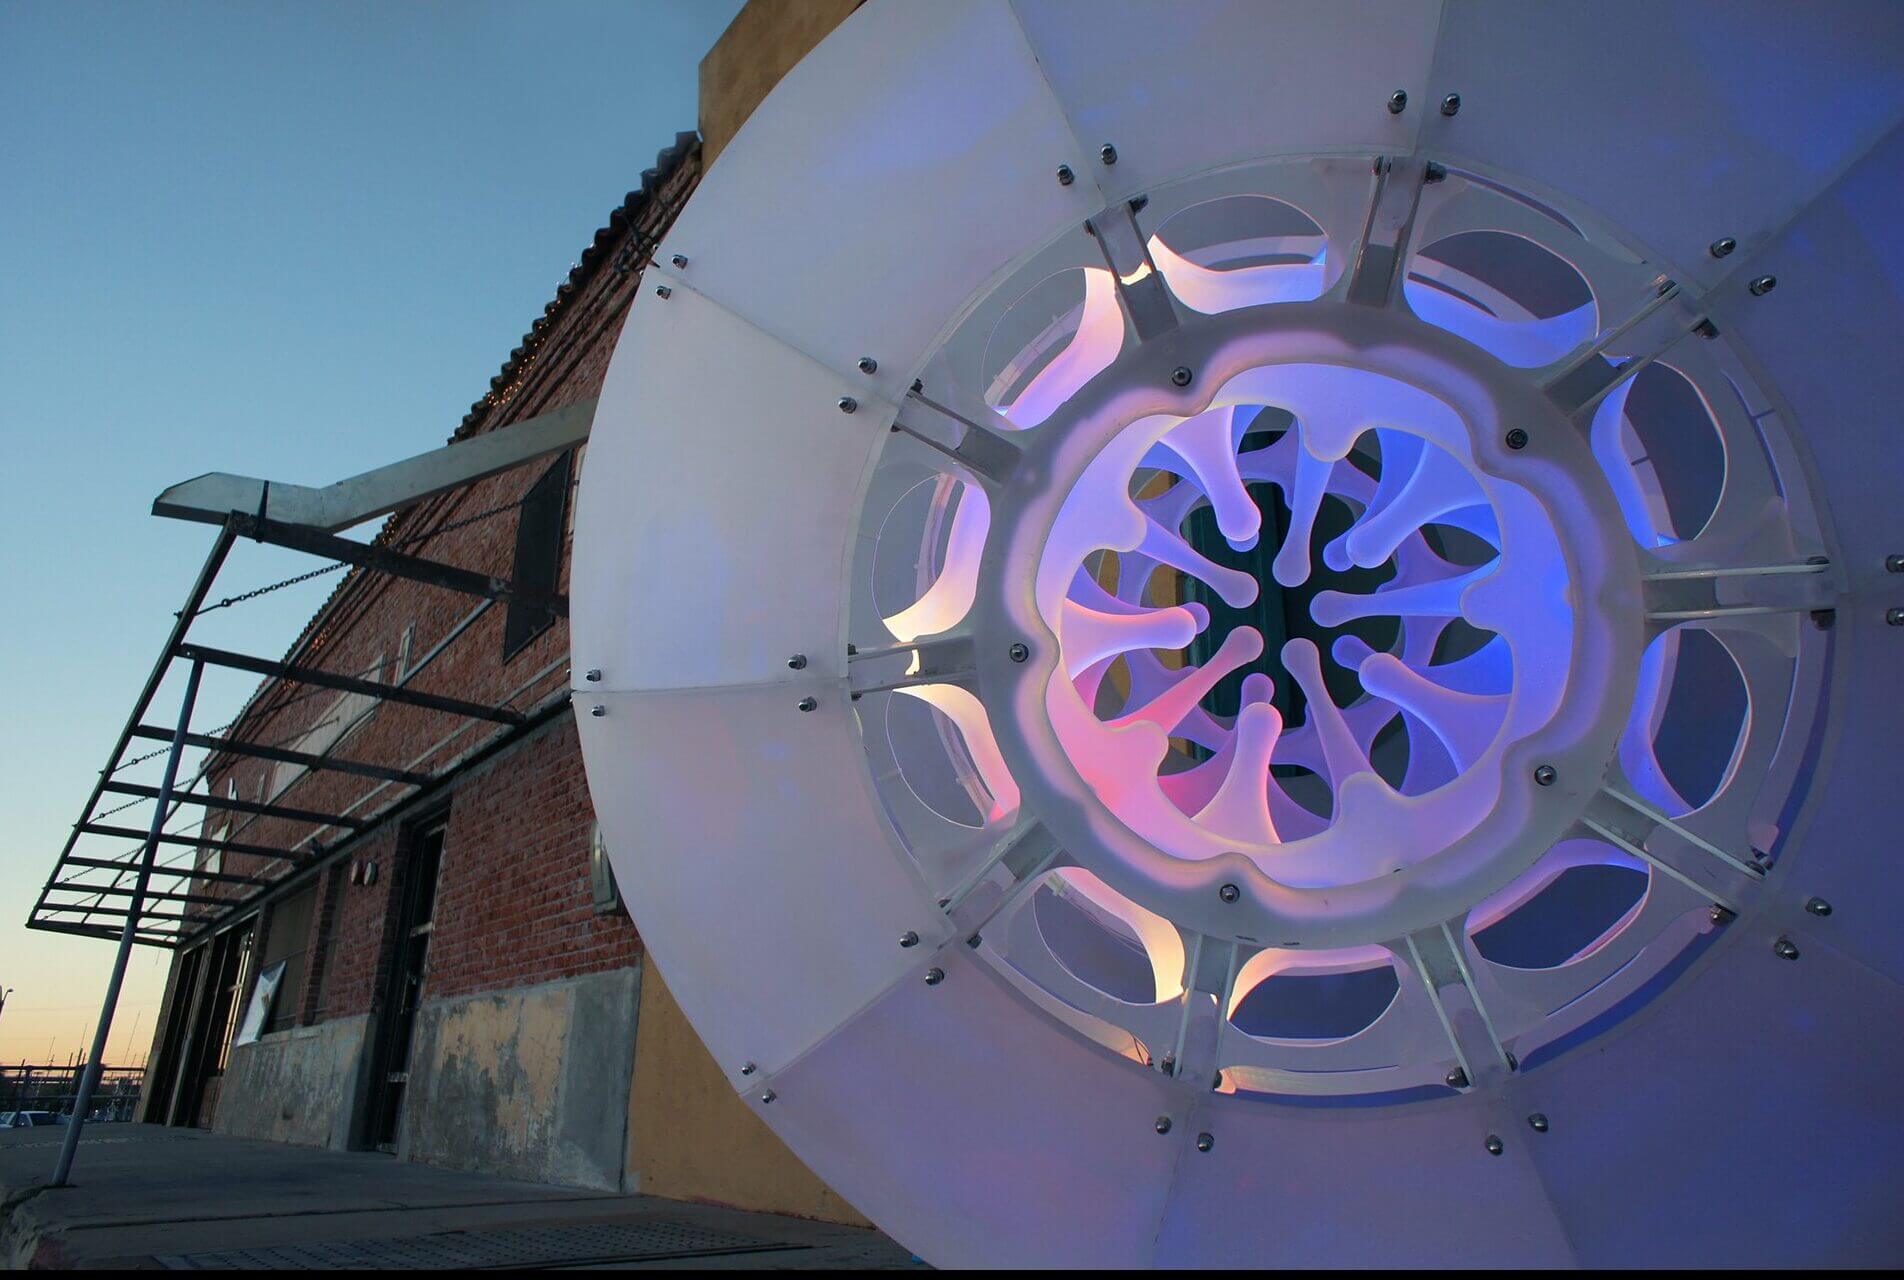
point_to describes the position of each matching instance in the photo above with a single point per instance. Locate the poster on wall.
(259, 1010)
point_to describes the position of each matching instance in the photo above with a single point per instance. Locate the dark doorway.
(211, 983)
(403, 988)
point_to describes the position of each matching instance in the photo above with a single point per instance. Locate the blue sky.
(286, 240)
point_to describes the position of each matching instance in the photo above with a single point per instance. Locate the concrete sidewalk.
(147, 1196)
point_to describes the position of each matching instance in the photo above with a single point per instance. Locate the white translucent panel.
(1751, 1119)
(721, 483)
(1183, 87)
(1827, 338)
(1681, 122)
(751, 851)
(956, 1118)
(1398, 1186)
(891, 173)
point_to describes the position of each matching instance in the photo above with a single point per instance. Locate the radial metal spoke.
(1582, 382)
(1140, 286)
(984, 451)
(1685, 833)
(1632, 848)
(1437, 958)
(1375, 277)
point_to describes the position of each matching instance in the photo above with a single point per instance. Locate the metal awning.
(102, 885)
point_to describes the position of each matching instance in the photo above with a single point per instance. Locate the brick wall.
(514, 903)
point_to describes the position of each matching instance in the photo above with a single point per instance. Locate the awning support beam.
(349, 684)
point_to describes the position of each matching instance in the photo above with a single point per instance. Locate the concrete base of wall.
(529, 1083)
(690, 1137)
(294, 1086)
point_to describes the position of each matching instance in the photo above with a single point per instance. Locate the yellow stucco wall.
(759, 47)
(690, 1137)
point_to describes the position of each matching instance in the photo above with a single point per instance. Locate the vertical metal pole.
(90, 1079)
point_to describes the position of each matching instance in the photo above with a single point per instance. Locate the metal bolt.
(598, 710)
(1895, 617)
(1180, 376)
(848, 404)
(679, 260)
(798, 662)
(1229, 893)
(1537, 1122)
(1433, 172)
(1517, 439)
(1065, 176)
(1457, 1079)
(1163, 1124)
(868, 365)
(1513, 1063)
(1138, 204)
(662, 291)
(748, 1068)
(1451, 104)
(1205, 1141)
(807, 704)
(1785, 949)
(1545, 775)
(1494, 1145)
(768, 1096)
(1721, 915)
(908, 939)
(934, 976)
(1818, 906)
(1706, 329)
(1018, 652)
(1107, 153)
(1894, 564)
(1762, 286)
(1721, 247)
(593, 674)
(1398, 102)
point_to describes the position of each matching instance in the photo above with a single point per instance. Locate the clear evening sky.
(285, 240)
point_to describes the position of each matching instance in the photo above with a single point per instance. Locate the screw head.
(748, 1068)
(662, 291)
(598, 710)
(1163, 1124)
(848, 404)
(908, 939)
(1537, 1122)
(1229, 893)
(593, 675)
(1451, 104)
(1545, 775)
(808, 703)
(1894, 564)
(1065, 176)
(1721, 915)
(1398, 102)
(1205, 1141)
(679, 260)
(1517, 438)
(1457, 1079)
(1494, 1145)
(1895, 617)
(1762, 286)
(768, 1095)
(1721, 247)
(934, 976)
(1107, 153)
(1180, 376)
(798, 662)
(1433, 172)
(868, 365)
(1018, 652)
(1785, 949)
(1818, 906)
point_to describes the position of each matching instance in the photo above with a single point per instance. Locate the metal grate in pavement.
(512, 1247)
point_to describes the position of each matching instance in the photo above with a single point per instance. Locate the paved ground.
(146, 1196)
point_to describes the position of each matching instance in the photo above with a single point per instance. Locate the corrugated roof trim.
(592, 257)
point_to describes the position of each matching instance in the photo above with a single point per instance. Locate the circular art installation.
(1258, 634)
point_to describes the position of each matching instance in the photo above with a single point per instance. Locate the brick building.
(442, 968)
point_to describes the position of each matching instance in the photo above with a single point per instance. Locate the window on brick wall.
(538, 563)
(288, 938)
